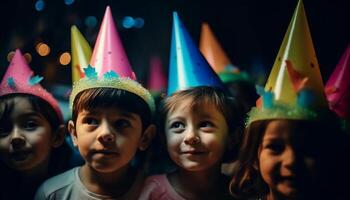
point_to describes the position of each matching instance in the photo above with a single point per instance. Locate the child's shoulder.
(158, 187)
(56, 183)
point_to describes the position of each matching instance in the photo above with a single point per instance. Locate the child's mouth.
(20, 155)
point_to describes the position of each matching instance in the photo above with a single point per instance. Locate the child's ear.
(147, 137)
(73, 132)
(58, 137)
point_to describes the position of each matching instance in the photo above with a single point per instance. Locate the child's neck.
(112, 184)
(196, 185)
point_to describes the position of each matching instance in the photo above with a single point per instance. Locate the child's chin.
(289, 192)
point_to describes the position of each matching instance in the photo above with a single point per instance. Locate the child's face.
(284, 162)
(107, 138)
(196, 137)
(25, 137)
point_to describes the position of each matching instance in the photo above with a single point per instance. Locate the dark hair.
(107, 97)
(39, 105)
(59, 156)
(204, 95)
(322, 138)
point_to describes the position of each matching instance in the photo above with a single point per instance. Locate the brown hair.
(205, 95)
(246, 181)
(108, 97)
(316, 141)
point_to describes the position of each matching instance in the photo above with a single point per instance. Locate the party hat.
(295, 82)
(297, 47)
(338, 86)
(19, 79)
(188, 67)
(212, 50)
(109, 66)
(109, 52)
(81, 53)
(157, 81)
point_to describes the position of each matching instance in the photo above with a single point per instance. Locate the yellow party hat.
(81, 53)
(294, 89)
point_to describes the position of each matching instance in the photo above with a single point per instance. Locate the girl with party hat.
(32, 132)
(198, 124)
(111, 122)
(289, 145)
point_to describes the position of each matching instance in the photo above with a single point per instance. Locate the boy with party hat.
(111, 121)
(238, 82)
(198, 123)
(32, 131)
(338, 89)
(290, 135)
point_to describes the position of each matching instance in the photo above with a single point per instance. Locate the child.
(31, 132)
(199, 125)
(289, 149)
(199, 122)
(111, 121)
(288, 159)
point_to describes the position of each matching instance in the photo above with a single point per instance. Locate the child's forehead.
(18, 107)
(193, 106)
(110, 110)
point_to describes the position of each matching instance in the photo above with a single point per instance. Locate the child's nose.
(17, 139)
(191, 138)
(106, 133)
(289, 157)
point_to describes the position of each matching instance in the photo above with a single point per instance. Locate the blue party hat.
(188, 67)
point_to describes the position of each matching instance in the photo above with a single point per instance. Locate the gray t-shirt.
(68, 186)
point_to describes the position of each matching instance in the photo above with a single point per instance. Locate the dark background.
(250, 31)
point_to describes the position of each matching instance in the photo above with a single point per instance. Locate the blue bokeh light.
(90, 21)
(39, 5)
(139, 22)
(128, 22)
(69, 2)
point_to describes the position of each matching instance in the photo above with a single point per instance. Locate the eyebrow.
(30, 114)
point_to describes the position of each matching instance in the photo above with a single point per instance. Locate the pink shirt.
(158, 187)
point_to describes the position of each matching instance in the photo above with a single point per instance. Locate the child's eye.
(177, 126)
(206, 125)
(275, 147)
(4, 131)
(90, 121)
(30, 125)
(122, 123)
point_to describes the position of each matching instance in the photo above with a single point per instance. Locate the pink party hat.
(19, 79)
(157, 81)
(108, 53)
(338, 86)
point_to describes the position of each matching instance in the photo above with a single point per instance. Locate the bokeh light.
(43, 49)
(90, 21)
(65, 58)
(39, 5)
(68, 2)
(139, 22)
(10, 55)
(28, 57)
(128, 22)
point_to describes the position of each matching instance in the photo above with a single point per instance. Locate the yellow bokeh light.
(10, 56)
(65, 58)
(28, 57)
(43, 49)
